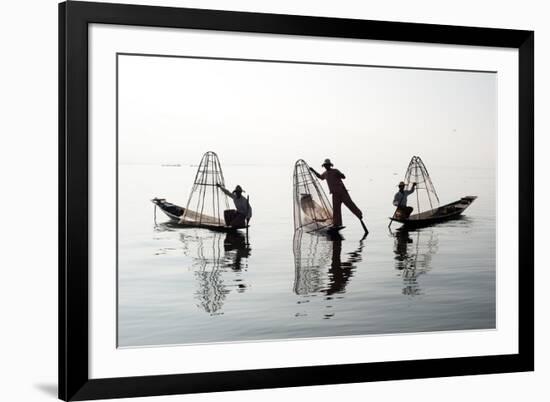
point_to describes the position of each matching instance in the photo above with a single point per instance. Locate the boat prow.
(437, 215)
(173, 211)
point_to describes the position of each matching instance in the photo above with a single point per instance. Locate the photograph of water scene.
(270, 200)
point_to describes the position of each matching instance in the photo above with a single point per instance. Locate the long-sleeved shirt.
(400, 198)
(334, 180)
(241, 203)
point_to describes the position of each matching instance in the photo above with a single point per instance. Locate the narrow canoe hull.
(441, 214)
(175, 212)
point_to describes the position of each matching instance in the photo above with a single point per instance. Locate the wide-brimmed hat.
(238, 189)
(401, 183)
(327, 162)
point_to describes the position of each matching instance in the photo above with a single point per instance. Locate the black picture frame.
(74, 381)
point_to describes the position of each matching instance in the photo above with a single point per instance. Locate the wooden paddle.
(364, 227)
(391, 220)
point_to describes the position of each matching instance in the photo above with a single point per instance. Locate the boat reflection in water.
(320, 269)
(413, 256)
(219, 260)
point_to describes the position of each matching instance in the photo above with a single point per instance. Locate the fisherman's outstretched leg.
(348, 202)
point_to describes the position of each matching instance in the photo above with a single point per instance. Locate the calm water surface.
(180, 286)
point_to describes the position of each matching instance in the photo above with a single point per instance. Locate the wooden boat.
(430, 212)
(437, 215)
(173, 211)
(207, 197)
(192, 220)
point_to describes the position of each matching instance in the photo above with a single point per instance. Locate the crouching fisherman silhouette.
(400, 201)
(237, 218)
(339, 193)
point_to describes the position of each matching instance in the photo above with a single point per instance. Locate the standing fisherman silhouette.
(339, 193)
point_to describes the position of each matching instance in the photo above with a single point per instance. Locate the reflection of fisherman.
(235, 241)
(341, 272)
(339, 192)
(400, 201)
(413, 262)
(402, 247)
(243, 213)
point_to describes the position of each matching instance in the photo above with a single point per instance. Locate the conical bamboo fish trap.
(312, 209)
(207, 202)
(425, 196)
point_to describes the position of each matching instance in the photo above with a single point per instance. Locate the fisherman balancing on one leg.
(339, 194)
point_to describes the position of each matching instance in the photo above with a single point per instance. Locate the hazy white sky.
(172, 110)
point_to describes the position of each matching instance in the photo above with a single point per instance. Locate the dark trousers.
(234, 219)
(403, 212)
(239, 221)
(339, 198)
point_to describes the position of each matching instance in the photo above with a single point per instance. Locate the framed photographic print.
(257, 200)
